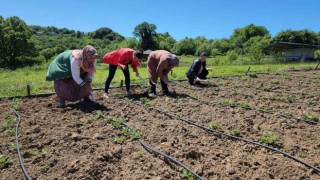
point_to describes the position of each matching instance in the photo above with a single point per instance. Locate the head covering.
(204, 54)
(84, 56)
(139, 54)
(174, 60)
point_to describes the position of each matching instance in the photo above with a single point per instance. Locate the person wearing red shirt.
(122, 58)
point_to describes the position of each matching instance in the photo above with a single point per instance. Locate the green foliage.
(131, 133)
(8, 126)
(106, 33)
(232, 56)
(253, 74)
(164, 41)
(275, 81)
(118, 140)
(144, 100)
(222, 46)
(304, 154)
(185, 46)
(235, 132)
(5, 161)
(146, 33)
(217, 89)
(16, 104)
(14, 83)
(215, 125)
(241, 35)
(244, 104)
(309, 116)
(117, 123)
(16, 47)
(293, 36)
(310, 103)
(229, 103)
(41, 153)
(186, 174)
(13, 147)
(270, 138)
(99, 114)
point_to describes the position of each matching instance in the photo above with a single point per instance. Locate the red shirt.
(121, 57)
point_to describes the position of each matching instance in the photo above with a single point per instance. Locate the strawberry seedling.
(215, 125)
(235, 132)
(309, 116)
(270, 138)
(187, 175)
(5, 161)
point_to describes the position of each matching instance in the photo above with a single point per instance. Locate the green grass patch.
(14, 83)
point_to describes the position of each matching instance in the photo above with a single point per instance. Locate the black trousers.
(202, 75)
(112, 72)
(163, 86)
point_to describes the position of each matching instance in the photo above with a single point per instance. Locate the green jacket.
(60, 68)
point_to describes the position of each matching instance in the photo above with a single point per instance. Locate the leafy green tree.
(106, 33)
(186, 46)
(146, 33)
(242, 35)
(302, 36)
(223, 45)
(164, 41)
(232, 56)
(202, 45)
(16, 47)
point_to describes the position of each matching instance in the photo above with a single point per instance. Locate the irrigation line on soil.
(168, 157)
(18, 148)
(250, 108)
(230, 136)
(156, 152)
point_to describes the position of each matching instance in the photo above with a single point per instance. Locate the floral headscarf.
(84, 56)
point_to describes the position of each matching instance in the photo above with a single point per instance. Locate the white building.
(296, 51)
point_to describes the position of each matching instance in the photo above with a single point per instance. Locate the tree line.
(23, 45)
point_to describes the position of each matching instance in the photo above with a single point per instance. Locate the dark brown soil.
(77, 143)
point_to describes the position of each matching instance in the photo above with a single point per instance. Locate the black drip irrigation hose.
(249, 108)
(156, 152)
(231, 136)
(148, 148)
(25, 172)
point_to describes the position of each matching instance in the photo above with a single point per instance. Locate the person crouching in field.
(198, 70)
(159, 64)
(72, 72)
(122, 58)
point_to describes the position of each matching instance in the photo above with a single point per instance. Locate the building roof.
(147, 51)
(280, 46)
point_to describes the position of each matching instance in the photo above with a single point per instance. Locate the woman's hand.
(123, 66)
(137, 74)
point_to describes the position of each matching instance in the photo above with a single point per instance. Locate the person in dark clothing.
(198, 70)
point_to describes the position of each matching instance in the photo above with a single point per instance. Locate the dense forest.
(26, 45)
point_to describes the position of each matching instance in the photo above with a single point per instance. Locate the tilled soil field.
(84, 141)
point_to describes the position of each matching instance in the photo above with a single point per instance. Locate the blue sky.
(212, 19)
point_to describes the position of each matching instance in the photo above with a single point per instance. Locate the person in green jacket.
(72, 72)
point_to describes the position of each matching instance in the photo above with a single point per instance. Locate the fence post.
(317, 65)
(28, 90)
(248, 70)
(121, 83)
